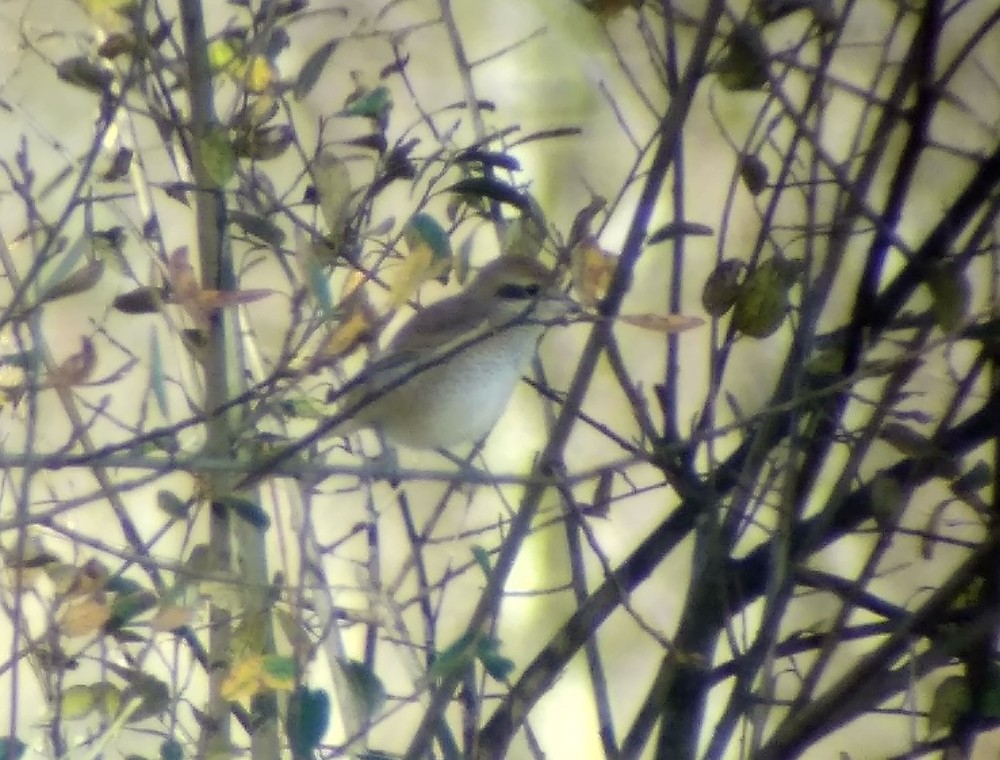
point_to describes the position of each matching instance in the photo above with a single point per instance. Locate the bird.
(447, 375)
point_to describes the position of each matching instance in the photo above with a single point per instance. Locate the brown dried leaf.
(212, 300)
(183, 283)
(200, 303)
(75, 369)
(171, 617)
(581, 224)
(663, 323)
(243, 680)
(84, 617)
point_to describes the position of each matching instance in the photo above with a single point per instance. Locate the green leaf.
(482, 558)
(173, 504)
(164, 442)
(952, 699)
(280, 670)
(107, 699)
(145, 300)
(11, 748)
(488, 653)
(887, 498)
(305, 408)
(950, 290)
(675, 230)
(26, 360)
(525, 236)
(171, 749)
(458, 656)
(977, 477)
(264, 143)
(906, 440)
(222, 53)
(822, 11)
(126, 636)
(247, 510)
(80, 281)
(989, 699)
(64, 263)
(76, 702)
(307, 719)
(127, 607)
(498, 666)
(492, 189)
(762, 302)
(312, 69)
(745, 65)
(366, 687)
(333, 186)
(217, 156)
(258, 227)
(488, 158)
(119, 167)
(119, 584)
(80, 71)
(319, 286)
(108, 246)
(753, 172)
(772, 10)
(583, 221)
(424, 231)
(373, 104)
(722, 287)
(157, 381)
(153, 692)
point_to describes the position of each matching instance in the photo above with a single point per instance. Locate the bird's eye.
(514, 292)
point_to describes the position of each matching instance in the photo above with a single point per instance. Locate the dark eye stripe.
(512, 291)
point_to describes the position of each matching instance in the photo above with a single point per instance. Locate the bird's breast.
(461, 399)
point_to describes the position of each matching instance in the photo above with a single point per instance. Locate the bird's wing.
(439, 325)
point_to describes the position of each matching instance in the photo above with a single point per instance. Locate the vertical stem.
(216, 272)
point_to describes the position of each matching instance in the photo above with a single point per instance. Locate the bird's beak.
(558, 309)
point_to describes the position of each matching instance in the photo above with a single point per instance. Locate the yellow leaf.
(257, 74)
(429, 257)
(221, 54)
(243, 680)
(76, 702)
(111, 15)
(119, 6)
(344, 338)
(107, 699)
(663, 323)
(352, 286)
(593, 268)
